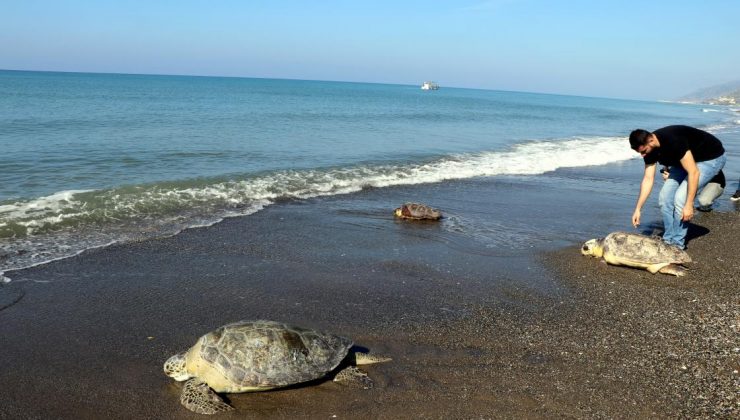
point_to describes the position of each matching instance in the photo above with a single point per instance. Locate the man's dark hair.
(638, 138)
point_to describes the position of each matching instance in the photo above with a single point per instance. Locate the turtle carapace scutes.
(639, 251)
(259, 355)
(417, 211)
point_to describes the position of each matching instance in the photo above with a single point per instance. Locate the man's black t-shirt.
(676, 140)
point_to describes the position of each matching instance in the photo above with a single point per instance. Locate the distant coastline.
(724, 94)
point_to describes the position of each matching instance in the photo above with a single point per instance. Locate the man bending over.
(693, 156)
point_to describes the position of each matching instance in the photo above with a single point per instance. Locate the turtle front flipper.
(673, 269)
(197, 396)
(353, 377)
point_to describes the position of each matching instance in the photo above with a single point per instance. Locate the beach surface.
(474, 331)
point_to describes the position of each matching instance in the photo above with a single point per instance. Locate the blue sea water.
(91, 159)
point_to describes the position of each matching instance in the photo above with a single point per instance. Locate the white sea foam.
(53, 203)
(525, 159)
(731, 125)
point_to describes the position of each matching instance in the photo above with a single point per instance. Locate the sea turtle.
(640, 251)
(259, 355)
(417, 211)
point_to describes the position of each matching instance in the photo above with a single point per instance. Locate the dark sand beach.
(474, 332)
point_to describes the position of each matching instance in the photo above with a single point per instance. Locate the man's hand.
(664, 172)
(636, 218)
(688, 213)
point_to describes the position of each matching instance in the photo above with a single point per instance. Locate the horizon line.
(330, 81)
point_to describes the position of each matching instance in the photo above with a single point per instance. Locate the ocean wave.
(42, 228)
(730, 125)
(68, 209)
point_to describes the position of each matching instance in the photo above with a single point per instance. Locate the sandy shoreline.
(89, 334)
(663, 346)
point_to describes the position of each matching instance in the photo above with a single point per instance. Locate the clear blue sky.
(623, 48)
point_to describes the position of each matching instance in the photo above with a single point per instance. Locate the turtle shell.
(271, 354)
(419, 211)
(631, 247)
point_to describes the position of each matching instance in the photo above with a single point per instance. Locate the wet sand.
(472, 334)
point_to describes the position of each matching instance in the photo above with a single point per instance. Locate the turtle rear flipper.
(655, 268)
(667, 268)
(353, 377)
(360, 358)
(674, 269)
(197, 396)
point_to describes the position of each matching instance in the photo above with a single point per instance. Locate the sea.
(88, 160)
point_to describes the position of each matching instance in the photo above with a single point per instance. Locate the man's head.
(643, 141)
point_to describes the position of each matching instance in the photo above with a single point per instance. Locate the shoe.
(736, 196)
(681, 247)
(705, 208)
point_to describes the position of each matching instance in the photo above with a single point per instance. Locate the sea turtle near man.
(639, 251)
(417, 211)
(248, 356)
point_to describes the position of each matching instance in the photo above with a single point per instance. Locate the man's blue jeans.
(673, 197)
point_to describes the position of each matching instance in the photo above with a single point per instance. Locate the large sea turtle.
(259, 355)
(640, 251)
(417, 211)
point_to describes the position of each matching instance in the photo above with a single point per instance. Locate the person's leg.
(707, 171)
(677, 234)
(708, 194)
(667, 199)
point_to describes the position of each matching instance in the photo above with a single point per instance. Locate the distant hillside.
(724, 94)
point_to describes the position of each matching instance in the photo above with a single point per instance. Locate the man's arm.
(645, 188)
(689, 164)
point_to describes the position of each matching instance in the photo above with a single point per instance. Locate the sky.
(636, 49)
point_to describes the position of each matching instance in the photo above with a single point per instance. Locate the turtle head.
(398, 212)
(593, 247)
(175, 368)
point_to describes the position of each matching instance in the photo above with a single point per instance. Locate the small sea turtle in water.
(417, 211)
(639, 251)
(260, 355)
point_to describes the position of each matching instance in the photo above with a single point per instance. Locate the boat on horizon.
(429, 85)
